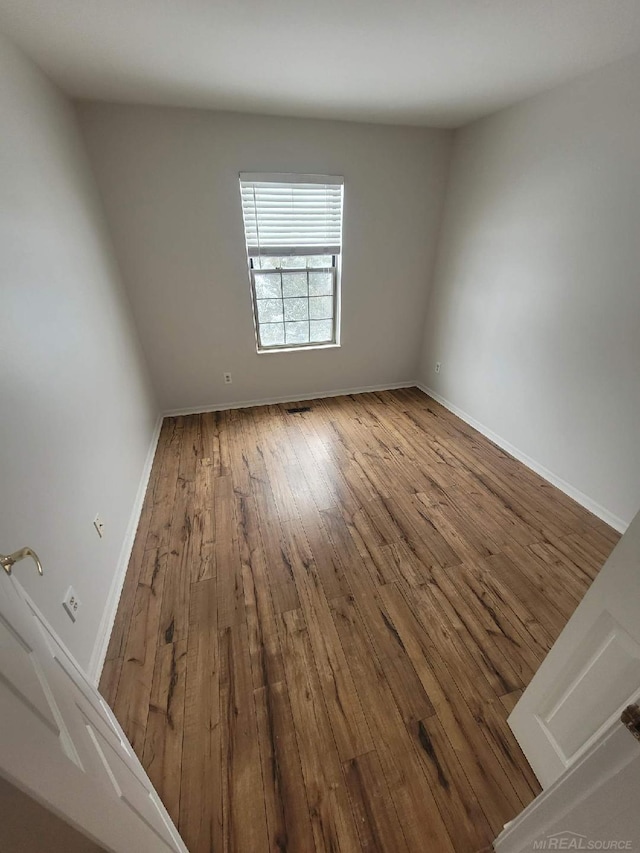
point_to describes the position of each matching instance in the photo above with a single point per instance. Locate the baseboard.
(101, 644)
(578, 496)
(290, 398)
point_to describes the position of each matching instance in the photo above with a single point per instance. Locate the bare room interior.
(320, 374)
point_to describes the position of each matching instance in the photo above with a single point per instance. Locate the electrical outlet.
(437, 367)
(71, 603)
(98, 523)
(227, 378)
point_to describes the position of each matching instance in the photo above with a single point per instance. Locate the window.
(293, 231)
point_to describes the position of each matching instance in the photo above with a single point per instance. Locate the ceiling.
(426, 62)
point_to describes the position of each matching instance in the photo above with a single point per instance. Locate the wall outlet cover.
(71, 604)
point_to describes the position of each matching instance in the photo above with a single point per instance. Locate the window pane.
(268, 285)
(265, 262)
(296, 309)
(297, 333)
(319, 261)
(269, 310)
(321, 307)
(293, 263)
(294, 284)
(271, 334)
(320, 331)
(320, 283)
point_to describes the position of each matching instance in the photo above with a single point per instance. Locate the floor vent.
(298, 409)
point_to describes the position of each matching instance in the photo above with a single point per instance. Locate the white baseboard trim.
(289, 398)
(578, 496)
(101, 644)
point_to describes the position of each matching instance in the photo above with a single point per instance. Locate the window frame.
(290, 347)
(277, 245)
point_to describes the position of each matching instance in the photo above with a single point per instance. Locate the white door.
(59, 741)
(595, 805)
(590, 674)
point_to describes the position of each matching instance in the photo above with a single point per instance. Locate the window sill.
(297, 349)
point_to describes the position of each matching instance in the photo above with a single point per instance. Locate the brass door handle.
(7, 561)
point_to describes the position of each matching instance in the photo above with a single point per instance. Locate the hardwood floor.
(327, 618)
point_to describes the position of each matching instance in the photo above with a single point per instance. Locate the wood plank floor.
(327, 618)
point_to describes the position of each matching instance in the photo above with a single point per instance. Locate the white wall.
(76, 410)
(169, 179)
(535, 308)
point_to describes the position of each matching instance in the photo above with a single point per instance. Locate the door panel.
(125, 785)
(60, 743)
(20, 674)
(593, 805)
(595, 687)
(592, 671)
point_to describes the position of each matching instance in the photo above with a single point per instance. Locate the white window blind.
(292, 214)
